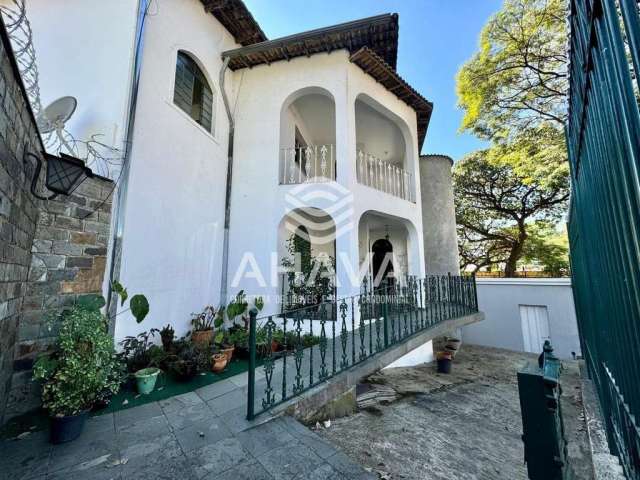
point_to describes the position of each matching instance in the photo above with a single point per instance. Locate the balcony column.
(345, 138)
(347, 255)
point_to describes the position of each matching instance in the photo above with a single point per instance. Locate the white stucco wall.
(84, 49)
(172, 239)
(259, 202)
(172, 230)
(418, 356)
(500, 300)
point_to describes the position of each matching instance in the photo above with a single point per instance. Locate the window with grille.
(192, 92)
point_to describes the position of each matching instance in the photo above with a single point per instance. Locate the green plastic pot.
(146, 379)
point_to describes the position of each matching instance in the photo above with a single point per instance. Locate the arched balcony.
(308, 137)
(383, 145)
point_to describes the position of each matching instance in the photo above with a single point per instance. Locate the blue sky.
(436, 38)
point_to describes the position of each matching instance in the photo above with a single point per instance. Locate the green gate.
(603, 136)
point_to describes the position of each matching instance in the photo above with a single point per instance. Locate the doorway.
(535, 327)
(382, 261)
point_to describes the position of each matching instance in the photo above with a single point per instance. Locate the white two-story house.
(234, 143)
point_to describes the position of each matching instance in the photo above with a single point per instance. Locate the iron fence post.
(385, 313)
(475, 293)
(252, 364)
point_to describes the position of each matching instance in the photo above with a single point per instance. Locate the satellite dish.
(53, 119)
(56, 114)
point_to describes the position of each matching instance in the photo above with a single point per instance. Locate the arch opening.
(308, 137)
(388, 247)
(306, 253)
(384, 150)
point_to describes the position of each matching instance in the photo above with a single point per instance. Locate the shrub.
(82, 367)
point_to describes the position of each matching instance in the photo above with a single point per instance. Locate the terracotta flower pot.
(453, 343)
(227, 351)
(218, 362)
(443, 355)
(202, 338)
(452, 351)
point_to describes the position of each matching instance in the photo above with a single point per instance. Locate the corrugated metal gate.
(603, 135)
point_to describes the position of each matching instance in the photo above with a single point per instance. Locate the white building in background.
(521, 313)
(324, 134)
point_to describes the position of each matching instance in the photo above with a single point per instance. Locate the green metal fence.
(304, 347)
(603, 135)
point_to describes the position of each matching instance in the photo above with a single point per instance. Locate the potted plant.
(203, 325)
(444, 360)
(167, 335)
(219, 362)
(146, 379)
(136, 351)
(78, 372)
(183, 366)
(277, 340)
(238, 333)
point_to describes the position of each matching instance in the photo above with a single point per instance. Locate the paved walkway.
(464, 426)
(198, 435)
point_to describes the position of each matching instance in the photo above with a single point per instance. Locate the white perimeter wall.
(500, 300)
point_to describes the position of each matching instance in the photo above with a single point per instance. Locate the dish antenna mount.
(53, 118)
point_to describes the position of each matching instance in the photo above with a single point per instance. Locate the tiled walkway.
(198, 435)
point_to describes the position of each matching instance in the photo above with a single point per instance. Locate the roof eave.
(373, 65)
(379, 32)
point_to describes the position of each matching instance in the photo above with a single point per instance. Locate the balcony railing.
(306, 346)
(384, 176)
(313, 163)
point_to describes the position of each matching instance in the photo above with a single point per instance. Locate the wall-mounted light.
(64, 174)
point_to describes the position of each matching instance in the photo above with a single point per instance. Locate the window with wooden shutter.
(192, 92)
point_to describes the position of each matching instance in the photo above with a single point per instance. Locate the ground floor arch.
(388, 248)
(306, 256)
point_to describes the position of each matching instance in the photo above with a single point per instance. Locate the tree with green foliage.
(496, 206)
(547, 248)
(513, 93)
(518, 79)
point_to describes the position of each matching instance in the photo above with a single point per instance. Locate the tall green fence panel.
(603, 137)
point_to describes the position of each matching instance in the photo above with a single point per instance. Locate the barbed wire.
(103, 159)
(21, 35)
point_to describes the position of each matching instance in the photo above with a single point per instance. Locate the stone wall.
(18, 208)
(50, 251)
(68, 260)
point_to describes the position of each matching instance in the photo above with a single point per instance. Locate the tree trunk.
(512, 262)
(516, 252)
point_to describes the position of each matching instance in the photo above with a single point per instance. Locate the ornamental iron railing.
(304, 347)
(308, 164)
(384, 176)
(603, 137)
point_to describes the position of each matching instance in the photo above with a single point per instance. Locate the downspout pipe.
(120, 200)
(227, 201)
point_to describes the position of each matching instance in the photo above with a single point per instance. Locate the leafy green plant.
(139, 305)
(84, 365)
(240, 307)
(167, 334)
(238, 336)
(310, 278)
(136, 351)
(207, 319)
